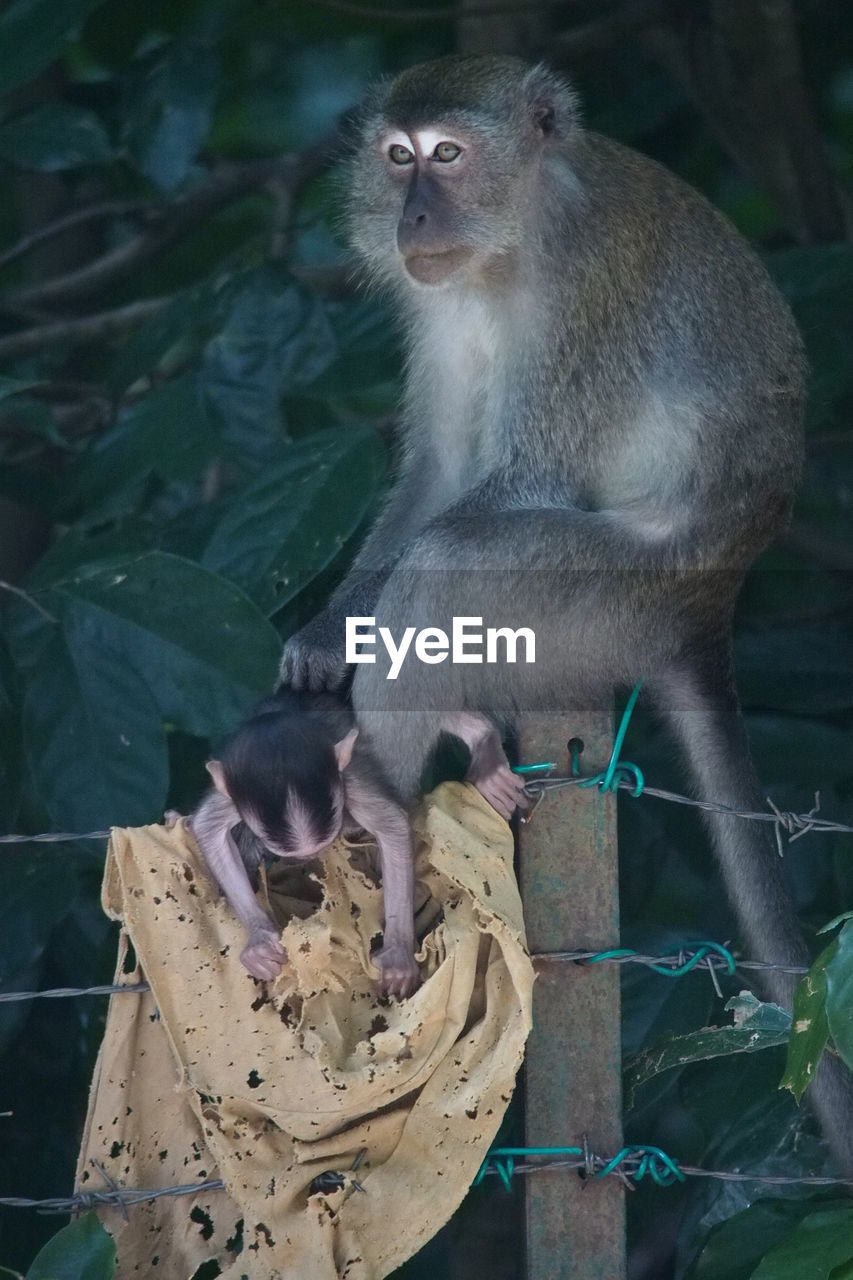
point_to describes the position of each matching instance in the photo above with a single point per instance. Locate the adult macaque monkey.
(602, 428)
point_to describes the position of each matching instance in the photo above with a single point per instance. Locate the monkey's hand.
(315, 657)
(263, 954)
(503, 789)
(400, 975)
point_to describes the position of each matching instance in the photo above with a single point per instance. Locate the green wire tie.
(617, 771)
(502, 1160)
(654, 1163)
(660, 1167)
(700, 951)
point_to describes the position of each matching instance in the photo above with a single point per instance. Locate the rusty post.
(570, 887)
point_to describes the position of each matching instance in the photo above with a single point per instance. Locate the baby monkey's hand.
(400, 974)
(503, 789)
(263, 955)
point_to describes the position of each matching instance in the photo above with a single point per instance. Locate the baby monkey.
(294, 776)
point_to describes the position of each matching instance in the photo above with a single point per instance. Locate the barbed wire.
(112, 1197)
(709, 956)
(61, 993)
(618, 775)
(632, 1164)
(55, 837)
(794, 825)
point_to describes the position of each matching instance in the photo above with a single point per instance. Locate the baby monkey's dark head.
(446, 177)
(282, 771)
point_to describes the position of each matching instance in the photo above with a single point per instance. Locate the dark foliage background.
(195, 407)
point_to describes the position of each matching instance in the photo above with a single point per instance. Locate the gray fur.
(602, 428)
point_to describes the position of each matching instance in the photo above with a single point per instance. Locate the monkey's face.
(303, 825)
(442, 177)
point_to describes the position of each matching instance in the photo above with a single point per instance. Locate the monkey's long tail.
(710, 729)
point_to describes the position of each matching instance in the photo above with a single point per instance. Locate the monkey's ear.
(553, 103)
(343, 749)
(217, 773)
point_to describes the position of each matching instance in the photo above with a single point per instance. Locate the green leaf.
(81, 547)
(37, 890)
(841, 918)
(176, 327)
(839, 993)
(735, 1247)
(282, 529)
(821, 1242)
(13, 386)
(93, 733)
(81, 1251)
(368, 353)
(277, 339)
(757, 1026)
(33, 417)
(34, 32)
(166, 433)
(203, 648)
(169, 114)
(54, 137)
(809, 1029)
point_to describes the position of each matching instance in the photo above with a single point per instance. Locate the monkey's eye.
(446, 151)
(398, 154)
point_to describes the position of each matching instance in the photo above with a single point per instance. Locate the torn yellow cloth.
(267, 1085)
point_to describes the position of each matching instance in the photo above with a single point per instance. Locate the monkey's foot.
(400, 975)
(263, 955)
(503, 789)
(171, 818)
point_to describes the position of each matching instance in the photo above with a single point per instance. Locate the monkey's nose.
(414, 215)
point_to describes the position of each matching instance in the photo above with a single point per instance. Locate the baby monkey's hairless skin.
(291, 779)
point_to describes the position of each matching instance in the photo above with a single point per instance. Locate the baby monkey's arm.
(371, 808)
(212, 823)
(489, 770)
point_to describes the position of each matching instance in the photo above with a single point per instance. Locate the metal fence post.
(570, 887)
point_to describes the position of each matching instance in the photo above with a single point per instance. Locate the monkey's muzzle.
(432, 268)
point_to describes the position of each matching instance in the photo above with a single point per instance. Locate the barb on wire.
(113, 1197)
(631, 1165)
(709, 956)
(622, 775)
(793, 824)
(619, 775)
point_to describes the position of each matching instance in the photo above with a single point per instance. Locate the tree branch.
(92, 213)
(170, 223)
(103, 324)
